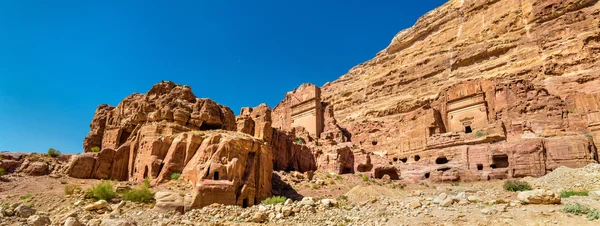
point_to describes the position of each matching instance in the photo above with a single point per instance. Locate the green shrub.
(479, 134)
(515, 185)
(25, 197)
(53, 152)
(589, 136)
(343, 198)
(319, 144)
(273, 200)
(338, 177)
(141, 194)
(569, 193)
(299, 140)
(2, 172)
(175, 176)
(71, 188)
(578, 209)
(328, 175)
(95, 149)
(365, 178)
(454, 183)
(102, 191)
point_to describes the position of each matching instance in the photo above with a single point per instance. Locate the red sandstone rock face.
(463, 89)
(502, 41)
(168, 130)
(230, 168)
(165, 102)
(290, 152)
(338, 159)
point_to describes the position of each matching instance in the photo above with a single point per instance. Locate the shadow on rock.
(281, 188)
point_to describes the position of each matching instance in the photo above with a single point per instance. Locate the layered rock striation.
(474, 90)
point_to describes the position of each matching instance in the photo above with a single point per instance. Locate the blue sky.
(60, 59)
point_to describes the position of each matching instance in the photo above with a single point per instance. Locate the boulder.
(415, 204)
(100, 204)
(473, 198)
(168, 202)
(448, 201)
(24, 211)
(328, 202)
(72, 221)
(38, 220)
(37, 169)
(260, 217)
(539, 196)
(307, 201)
(81, 165)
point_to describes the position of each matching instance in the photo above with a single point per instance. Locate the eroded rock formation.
(168, 130)
(165, 102)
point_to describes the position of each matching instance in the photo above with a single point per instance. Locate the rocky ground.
(327, 199)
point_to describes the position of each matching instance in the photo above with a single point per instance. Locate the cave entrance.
(123, 137)
(468, 129)
(427, 175)
(145, 172)
(245, 203)
(500, 161)
(206, 126)
(404, 160)
(395, 159)
(392, 172)
(347, 170)
(417, 158)
(216, 175)
(441, 160)
(479, 166)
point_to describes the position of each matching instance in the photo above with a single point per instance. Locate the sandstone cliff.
(476, 89)
(551, 44)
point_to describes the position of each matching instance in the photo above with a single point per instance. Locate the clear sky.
(60, 59)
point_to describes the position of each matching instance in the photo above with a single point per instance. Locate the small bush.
(328, 175)
(71, 188)
(25, 197)
(95, 149)
(175, 176)
(454, 183)
(2, 172)
(331, 182)
(314, 186)
(501, 201)
(141, 195)
(593, 214)
(338, 177)
(569, 193)
(479, 134)
(515, 185)
(102, 191)
(273, 200)
(53, 152)
(589, 136)
(343, 198)
(319, 144)
(365, 178)
(299, 140)
(575, 208)
(578, 209)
